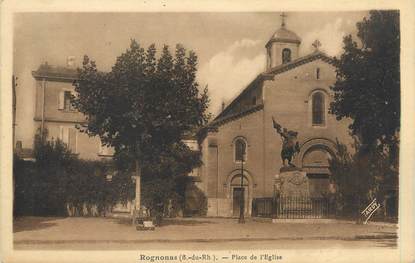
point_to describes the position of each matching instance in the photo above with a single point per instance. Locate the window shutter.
(60, 133)
(63, 134)
(61, 100)
(72, 139)
(66, 135)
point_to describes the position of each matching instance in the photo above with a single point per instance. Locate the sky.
(230, 46)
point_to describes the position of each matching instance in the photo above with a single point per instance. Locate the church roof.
(300, 61)
(227, 115)
(284, 35)
(213, 126)
(234, 116)
(253, 85)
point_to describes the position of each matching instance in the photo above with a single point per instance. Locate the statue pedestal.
(292, 182)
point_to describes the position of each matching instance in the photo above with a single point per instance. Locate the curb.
(374, 223)
(319, 221)
(201, 240)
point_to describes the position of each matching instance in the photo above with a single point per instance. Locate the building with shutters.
(293, 90)
(55, 114)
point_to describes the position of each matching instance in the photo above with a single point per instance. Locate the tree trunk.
(137, 186)
(359, 205)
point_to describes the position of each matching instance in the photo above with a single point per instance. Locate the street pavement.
(198, 233)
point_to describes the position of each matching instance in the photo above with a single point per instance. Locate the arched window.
(317, 73)
(286, 55)
(240, 150)
(318, 109)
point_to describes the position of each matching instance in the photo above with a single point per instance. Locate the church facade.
(242, 140)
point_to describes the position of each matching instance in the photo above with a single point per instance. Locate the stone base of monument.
(292, 182)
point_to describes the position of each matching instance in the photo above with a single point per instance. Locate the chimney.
(70, 61)
(223, 105)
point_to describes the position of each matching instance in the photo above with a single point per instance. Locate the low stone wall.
(219, 207)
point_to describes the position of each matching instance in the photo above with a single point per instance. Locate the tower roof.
(284, 35)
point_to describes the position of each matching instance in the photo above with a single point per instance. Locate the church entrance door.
(238, 192)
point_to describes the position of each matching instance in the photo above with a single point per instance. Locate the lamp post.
(242, 202)
(276, 196)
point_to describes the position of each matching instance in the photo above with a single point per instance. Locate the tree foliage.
(142, 104)
(359, 178)
(143, 107)
(367, 89)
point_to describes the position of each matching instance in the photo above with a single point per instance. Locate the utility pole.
(242, 202)
(14, 85)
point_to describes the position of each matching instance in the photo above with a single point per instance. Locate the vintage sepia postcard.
(204, 131)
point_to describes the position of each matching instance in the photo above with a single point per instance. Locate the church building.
(242, 140)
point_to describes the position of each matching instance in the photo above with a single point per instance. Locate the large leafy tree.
(143, 107)
(367, 89)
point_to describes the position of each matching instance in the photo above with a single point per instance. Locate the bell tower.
(283, 46)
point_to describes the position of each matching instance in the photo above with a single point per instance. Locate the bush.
(24, 200)
(87, 191)
(361, 177)
(164, 178)
(60, 184)
(195, 202)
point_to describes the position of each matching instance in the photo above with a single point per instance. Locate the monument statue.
(290, 145)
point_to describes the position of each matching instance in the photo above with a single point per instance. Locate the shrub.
(361, 177)
(58, 183)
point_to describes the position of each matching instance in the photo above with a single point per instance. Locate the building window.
(254, 100)
(318, 73)
(318, 109)
(68, 135)
(286, 55)
(65, 101)
(240, 150)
